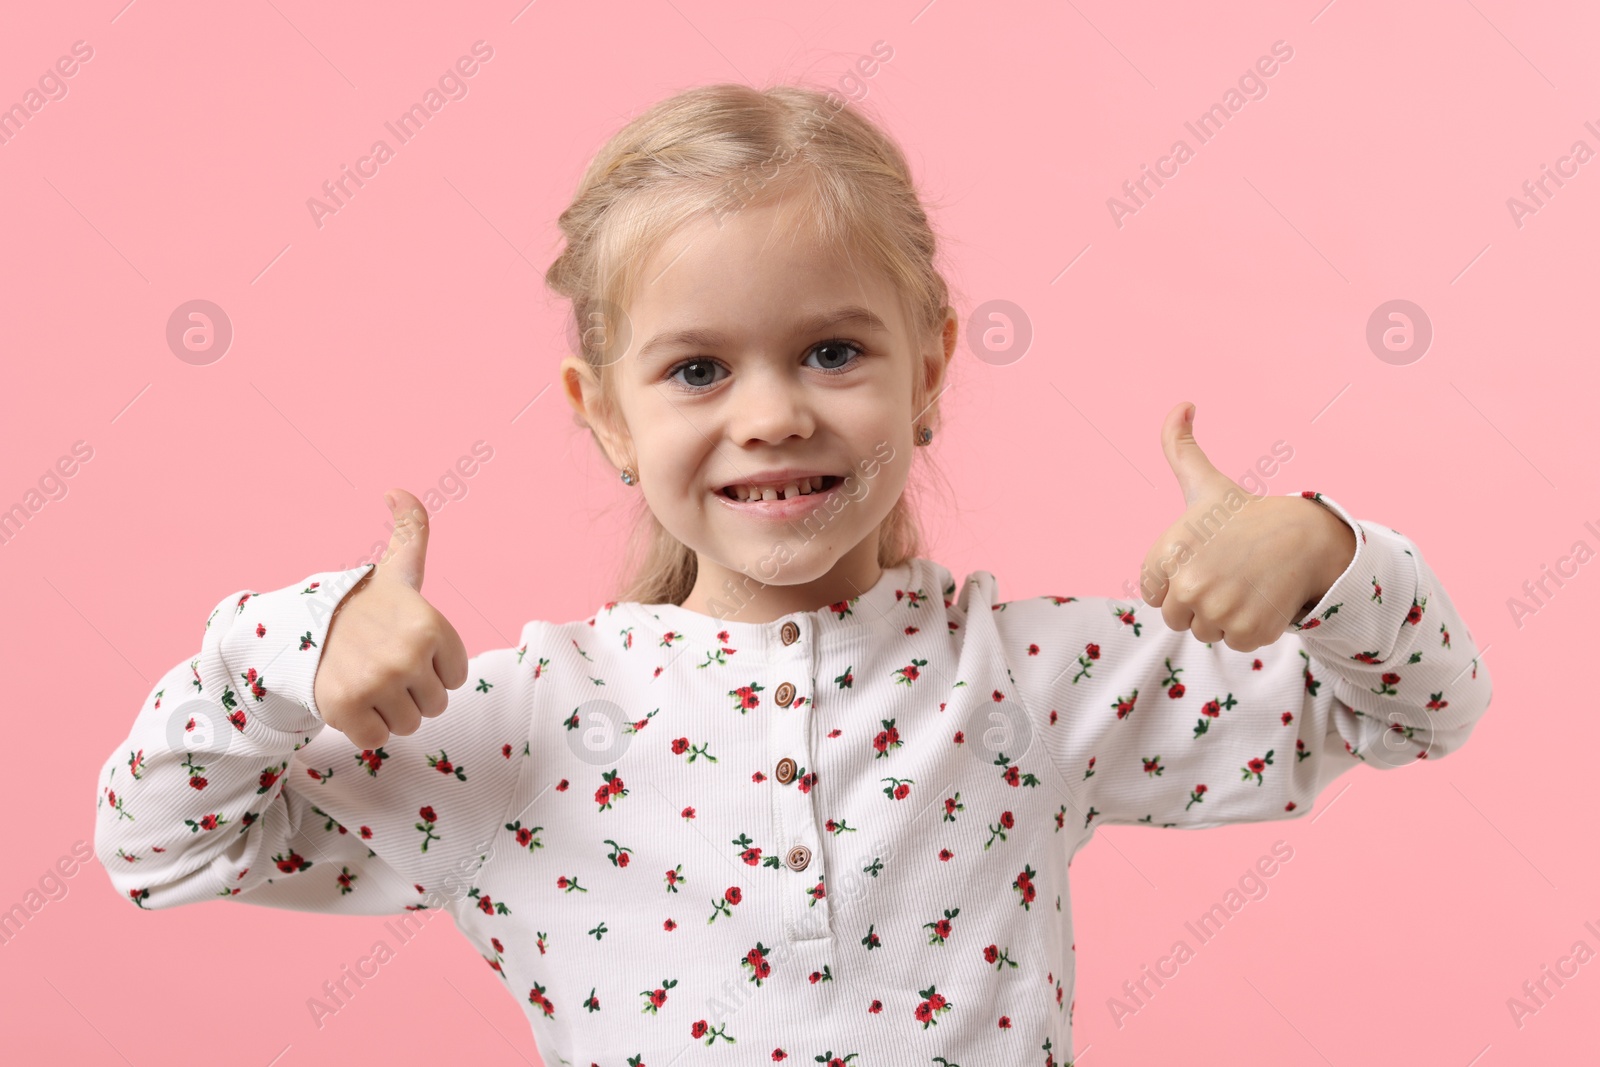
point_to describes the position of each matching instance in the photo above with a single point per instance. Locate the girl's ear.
(936, 363)
(952, 333)
(581, 384)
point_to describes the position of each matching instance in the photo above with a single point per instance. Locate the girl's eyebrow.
(851, 314)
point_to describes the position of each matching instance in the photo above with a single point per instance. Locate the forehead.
(764, 269)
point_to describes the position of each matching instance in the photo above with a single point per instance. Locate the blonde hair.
(710, 150)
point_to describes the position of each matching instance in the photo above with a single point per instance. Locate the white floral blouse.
(841, 837)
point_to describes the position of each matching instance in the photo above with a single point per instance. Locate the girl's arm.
(229, 784)
(1150, 726)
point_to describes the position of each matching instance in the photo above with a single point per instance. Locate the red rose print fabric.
(842, 836)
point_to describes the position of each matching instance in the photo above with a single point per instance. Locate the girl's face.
(760, 361)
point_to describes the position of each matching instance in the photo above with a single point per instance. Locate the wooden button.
(784, 695)
(789, 632)
(786, 769)
(798, 857)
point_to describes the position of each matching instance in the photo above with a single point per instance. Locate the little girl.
(798, 794)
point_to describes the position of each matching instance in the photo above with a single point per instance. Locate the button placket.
(797, 834)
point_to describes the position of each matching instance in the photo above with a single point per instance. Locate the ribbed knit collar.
(887, 605)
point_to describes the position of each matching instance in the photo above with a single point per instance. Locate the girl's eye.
(838, 350)
(700, 374)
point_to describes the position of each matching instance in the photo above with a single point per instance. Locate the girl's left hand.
(1235, 566)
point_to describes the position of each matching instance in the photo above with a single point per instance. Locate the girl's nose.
(769, 407)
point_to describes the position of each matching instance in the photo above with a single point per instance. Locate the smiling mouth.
(800, 487)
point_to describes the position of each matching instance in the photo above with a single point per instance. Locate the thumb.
(1188, 461)
(408, 545)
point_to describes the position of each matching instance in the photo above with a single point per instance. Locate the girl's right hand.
(389, 656)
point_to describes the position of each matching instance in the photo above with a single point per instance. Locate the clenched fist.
(389, 656)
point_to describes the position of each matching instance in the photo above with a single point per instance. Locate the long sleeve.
(229, 785)
(1151, 726)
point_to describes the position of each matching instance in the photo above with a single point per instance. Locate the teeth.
(800, 487)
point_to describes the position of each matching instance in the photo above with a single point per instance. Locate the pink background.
(377, 349)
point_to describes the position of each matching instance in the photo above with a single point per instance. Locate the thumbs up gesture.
(1235, 566)
(389, 656)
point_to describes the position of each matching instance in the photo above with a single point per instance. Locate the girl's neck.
(763, 601)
